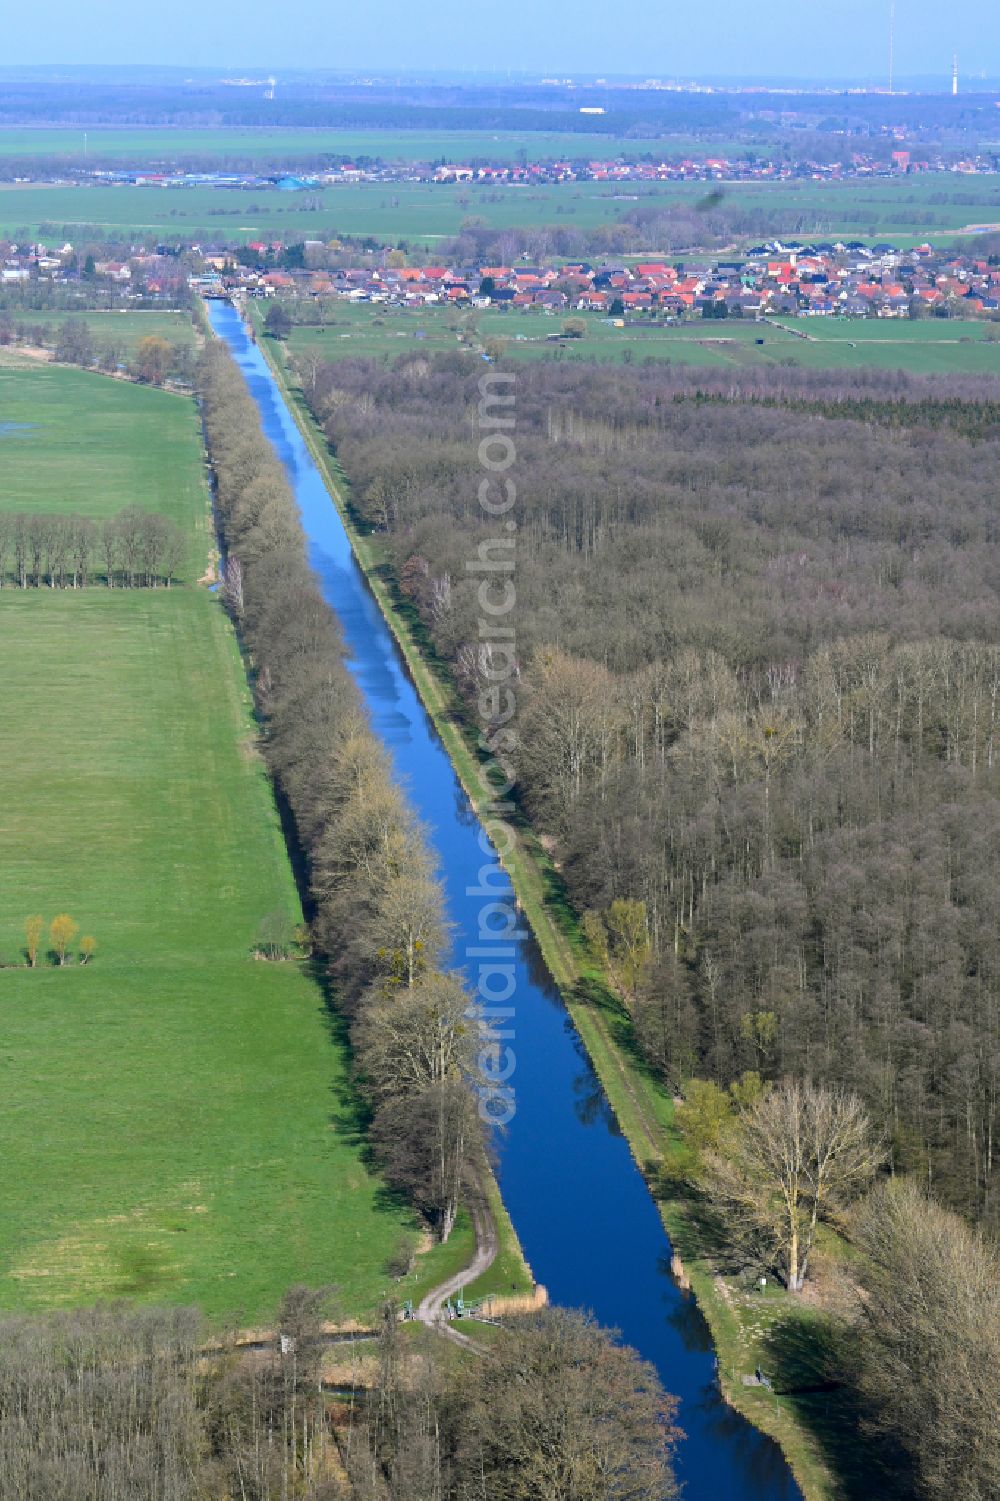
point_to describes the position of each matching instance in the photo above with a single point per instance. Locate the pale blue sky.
(723, 38)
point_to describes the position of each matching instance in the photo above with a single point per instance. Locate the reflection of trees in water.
(760, 1462)
(590, 1103)
(538, 972)
(684, 1315)
(757, 1457)
(465, 814)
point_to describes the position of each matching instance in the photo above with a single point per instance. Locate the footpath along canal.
(584, 1215)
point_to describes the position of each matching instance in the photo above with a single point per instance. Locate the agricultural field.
(907, 209)
(124, 328)
(149, 145)
(926, 346)
(418, 213)
(179, 1110)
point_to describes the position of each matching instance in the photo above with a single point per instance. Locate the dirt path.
(430, 1309)
(26, 352)
(796, 333)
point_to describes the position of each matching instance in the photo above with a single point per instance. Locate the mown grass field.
(109, 326)
(907, 209)
(176, 1118)
(925, 346)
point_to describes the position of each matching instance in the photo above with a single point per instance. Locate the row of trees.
(377, 909)
(134, 549)
(760, 664)
(121, 1403)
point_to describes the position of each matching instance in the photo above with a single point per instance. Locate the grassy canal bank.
(814, 1423)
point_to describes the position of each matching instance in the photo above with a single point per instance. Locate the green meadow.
(176, 1116)
(905, 208)
(923, 347)
(111, 326)
(90, 445)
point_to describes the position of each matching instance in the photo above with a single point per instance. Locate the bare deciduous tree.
(411, 1039)
(33, 928)
(409, 927)
(560, 1410)
(798, 1154)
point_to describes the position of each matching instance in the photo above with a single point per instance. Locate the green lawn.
(963, 354)
(175, 1117)
(126, 327)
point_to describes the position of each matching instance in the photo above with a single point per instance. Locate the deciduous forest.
(759, 659)
(150, 1406)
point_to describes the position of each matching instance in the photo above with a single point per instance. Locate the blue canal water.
(584, 1215)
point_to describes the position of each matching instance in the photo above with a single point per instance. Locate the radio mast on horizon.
(892, 38)
(954, 75)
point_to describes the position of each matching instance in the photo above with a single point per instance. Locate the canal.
(584, 1215)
